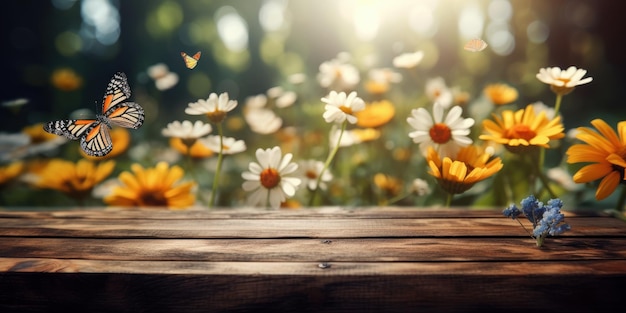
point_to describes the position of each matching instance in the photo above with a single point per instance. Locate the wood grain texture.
(312, 260)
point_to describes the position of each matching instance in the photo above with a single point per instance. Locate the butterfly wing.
(475, 45)
(117, 112)
(71, 129)
(191, 61)
(96, 140)
(127, 114)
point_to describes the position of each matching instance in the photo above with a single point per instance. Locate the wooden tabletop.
(309, 260)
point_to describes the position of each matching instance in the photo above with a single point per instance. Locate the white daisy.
(408, 60)
(214, 107)
(438, 91)
(309, 171)
(338, 74)
(340, 107)
(268, 179)
(420, 187)
(263, 121)
(445, 135)
(229, 145)
(563, 81)
(186, 130)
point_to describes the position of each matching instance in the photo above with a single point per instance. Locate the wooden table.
(308, 260)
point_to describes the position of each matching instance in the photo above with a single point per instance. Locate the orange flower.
(500, 94)
(66, 79)
(470, 166)
(9, 172)
(74, 179)
(523, 130)
(605, 151)
(375, 114)
(198, 150)
(150, 187)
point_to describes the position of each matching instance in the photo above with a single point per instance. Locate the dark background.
(29, 56)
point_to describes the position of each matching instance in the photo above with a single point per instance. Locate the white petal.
(250, 185)
(453, 115)
(255, 168)
(284, 162)
(250, 176)
(263, 157)
(437, 112)
(257, 197)
(276, 198)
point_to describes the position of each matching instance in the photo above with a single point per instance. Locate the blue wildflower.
(533, 209)
(546, 219)
(512, 211)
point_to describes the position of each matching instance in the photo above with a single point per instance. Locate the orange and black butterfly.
(191, 61)
(94, 133)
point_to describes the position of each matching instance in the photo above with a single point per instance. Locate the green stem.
(329, 159)
(557, 104)
(541, 175)
(218, 168)
(397, 198)
(449, 199)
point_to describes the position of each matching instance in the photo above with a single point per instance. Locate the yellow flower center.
(562, 90)
(346, 109)
(521, 131)
(270, 178)
(440, 133)
(216, 116)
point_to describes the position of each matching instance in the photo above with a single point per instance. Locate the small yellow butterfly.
(191, 61)
(475, 45)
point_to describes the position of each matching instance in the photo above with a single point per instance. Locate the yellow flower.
(121, 140)
(523, 130)
(376, 87)
(390, 185)
(198, 150)
(606, 151)
(38, 135)
(9, 172)
(74, 179)
(375, 114)
(500, 94)
(66, 79)
(470, 166)
(150, 187)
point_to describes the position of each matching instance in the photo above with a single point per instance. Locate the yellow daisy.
(375, 114)
(605, 150)
(76, 180)
(66, 79)
(500, 94)
(198, 149)
(152, 187)
(391, 186)
(523, 130)
(470, 166)
(10, 171)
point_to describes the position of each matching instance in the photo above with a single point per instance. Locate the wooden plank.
(308, 228)
(304, 287)
(256, 213)
(307, 250)
(311, 268)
